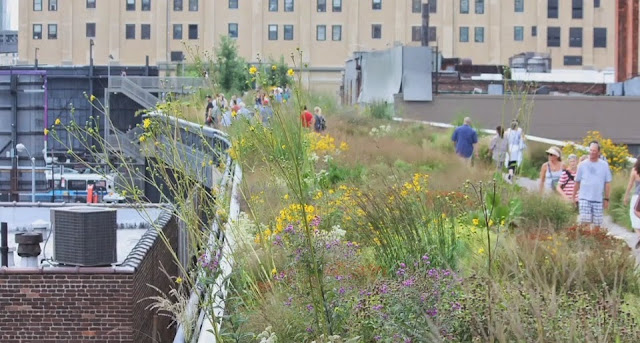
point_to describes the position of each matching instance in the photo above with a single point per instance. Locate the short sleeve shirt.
(592, 177)
(465, 137)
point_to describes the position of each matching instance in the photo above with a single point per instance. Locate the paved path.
(614, 229)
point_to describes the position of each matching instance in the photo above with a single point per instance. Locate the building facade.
(577, 33)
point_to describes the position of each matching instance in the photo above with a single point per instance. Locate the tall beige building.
(577, 33)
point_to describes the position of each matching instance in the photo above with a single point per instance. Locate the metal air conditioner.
(84, 236)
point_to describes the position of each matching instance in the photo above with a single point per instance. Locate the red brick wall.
(62, 305)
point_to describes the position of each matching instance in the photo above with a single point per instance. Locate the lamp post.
(21, 148)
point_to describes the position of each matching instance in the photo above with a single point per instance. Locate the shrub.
(380, 110)
(617, 154)
(545, 212)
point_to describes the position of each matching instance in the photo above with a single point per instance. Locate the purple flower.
(384, 289)
(432, 312)
(407, 340)
(402, 265)
(289, 229)
(400, 272)
(288, 302)
(408, 282)
(339, 277)
(377, 338)
(315, 222)
(456, 306)
(309, 330)
(341, 291)
(425, 258)
(310, 307)
(377, 307)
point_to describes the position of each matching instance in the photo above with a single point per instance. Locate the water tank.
(84, 236)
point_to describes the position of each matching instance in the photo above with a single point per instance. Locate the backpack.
(320, 124)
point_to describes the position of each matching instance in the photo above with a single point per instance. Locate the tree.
(230, 69)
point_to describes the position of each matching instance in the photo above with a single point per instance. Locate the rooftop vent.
(84, 236)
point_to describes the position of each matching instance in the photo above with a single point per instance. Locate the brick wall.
(86, 304)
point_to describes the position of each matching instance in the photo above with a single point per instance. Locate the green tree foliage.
(230, 69)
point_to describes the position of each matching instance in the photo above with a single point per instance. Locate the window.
(518, 6)
(478, 34)
(416, 6)
(288, 32)
(534, 31)
(130, 31)
(177, 5)
(376, 5)
(288, 5)
(432, 33)
(233, 30)
(233, 4)
(37, 6)
(464, 34)
(322, 5)
(145, 31)
(53, 5)
(177, 31)
(77, 185)
(433, 6)
(553, 36)
(177, 56)
(37, 31)
(575, 37)
(464, 6)
(146, 5)
(273, 32)
(273, 5)
(90, 30)
(376, 31)
(573, 60)
(518, 33)
(193, 5)
(479, 6)
(552, 8)
(596, 3)
(416, 33)
(336, 32)
(91, 3)
(337, 6)
(599, 37)
(321, 32)
(53, 31)
(131, 5)
(193, 31)
(576, 9)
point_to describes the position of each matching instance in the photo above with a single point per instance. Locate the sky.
(12, 9)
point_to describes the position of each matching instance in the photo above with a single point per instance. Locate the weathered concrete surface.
(555, 117)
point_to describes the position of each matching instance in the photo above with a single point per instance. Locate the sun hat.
(554, 150)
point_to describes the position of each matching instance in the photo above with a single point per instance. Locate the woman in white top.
(551, 171)
(515, 147)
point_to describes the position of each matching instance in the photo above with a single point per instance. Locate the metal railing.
(155, 84)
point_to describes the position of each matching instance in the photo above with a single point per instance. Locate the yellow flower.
(284, 101)
(142, 138)
(284, 146)
(286, 197)
(253, 70)
(234, 114)
(444, 215)
(93, 97)
(179, 280)
(274, 67)
(274, 271)
(290, 72)
(344, 146)
(502, 222)
(46, 131)
(58, 122)
(146, 123)
(490, 222)
(476, 221)
(481, 251)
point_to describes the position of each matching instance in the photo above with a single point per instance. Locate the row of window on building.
(130, 5)
(553, 8)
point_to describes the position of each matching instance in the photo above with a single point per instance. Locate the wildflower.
(58, 122)
(146, 123)
(344, 146)
(274, 271)
(179, 280)
(142, 138)
(284, 146)
(481, 251)
(46, 131)
(286, 197)
(92, 98)
(234, 114)
(274, 67)
(377, 307)
(290, 72)
(490, 222)
(310, 307)
(476, 221)
(444, 216)
(253, 70)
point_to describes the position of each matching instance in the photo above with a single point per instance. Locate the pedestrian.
(307, 118)
(465, 138)
(567, 179)
(498, 147)
(515, 146)
(210, 116)
(634, 182)
(319, 122)
(593, 182)
(551, 171)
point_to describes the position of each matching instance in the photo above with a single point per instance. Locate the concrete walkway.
(614, 229)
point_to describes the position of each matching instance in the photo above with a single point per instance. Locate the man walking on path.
(593, 182)
(465, 138)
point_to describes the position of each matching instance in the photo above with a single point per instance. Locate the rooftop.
(556, 75)
(132, 225)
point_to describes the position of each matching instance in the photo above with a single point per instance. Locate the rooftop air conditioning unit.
(84, 236)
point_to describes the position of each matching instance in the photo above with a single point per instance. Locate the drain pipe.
(4, 246)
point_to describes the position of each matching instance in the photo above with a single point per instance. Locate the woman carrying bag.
(634, 211)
